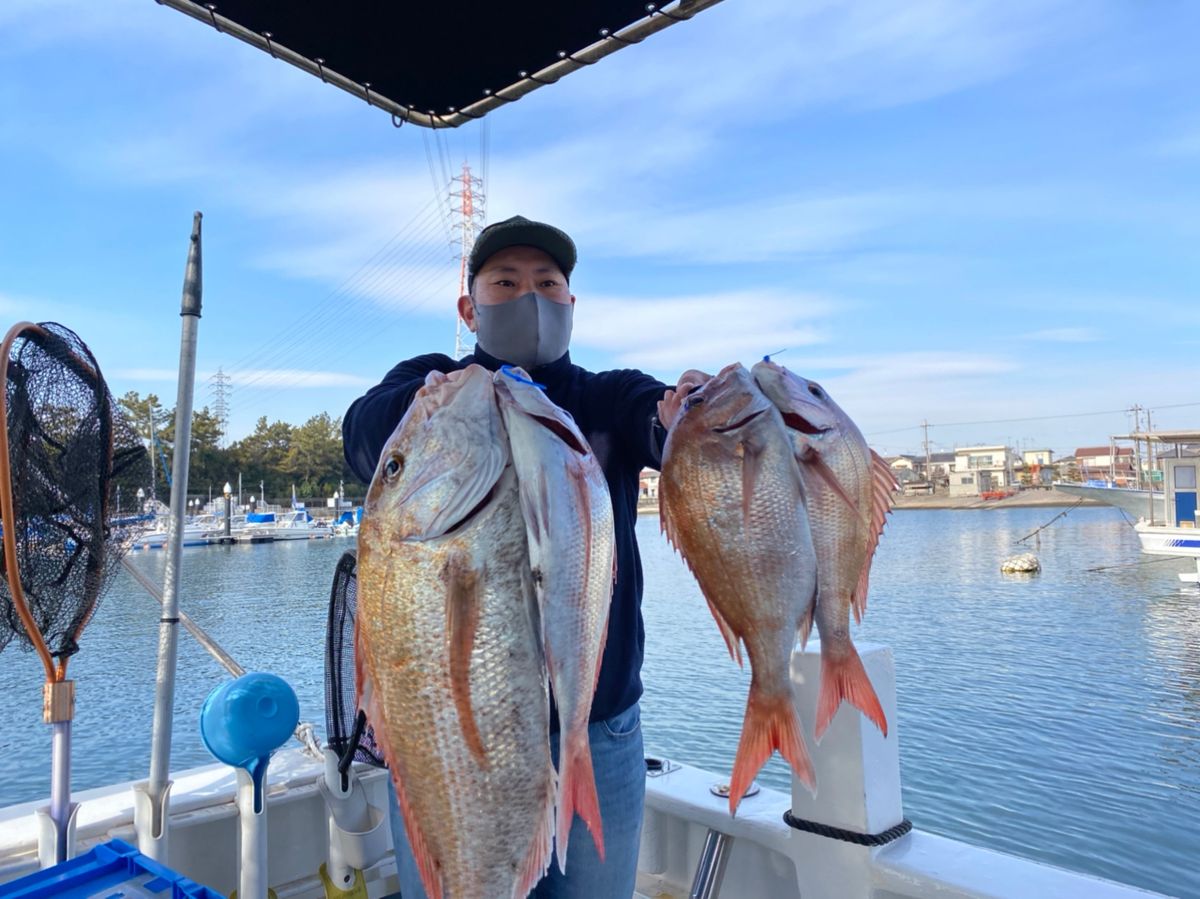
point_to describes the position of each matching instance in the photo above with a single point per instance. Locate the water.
(1051, 716)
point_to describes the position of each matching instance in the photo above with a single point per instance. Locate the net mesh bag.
(69, 447)
(341, 711)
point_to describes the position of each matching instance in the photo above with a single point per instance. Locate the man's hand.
(672, 401)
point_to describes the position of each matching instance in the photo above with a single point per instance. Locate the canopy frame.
(656, 19)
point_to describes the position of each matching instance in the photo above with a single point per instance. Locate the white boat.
(197, 532)
(295, 524)
(850, 842)
(1177, 533)
(1134, 501)
(317, 836)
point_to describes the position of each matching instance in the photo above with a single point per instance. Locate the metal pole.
(711, 869)
(60, 785)
(168, 633)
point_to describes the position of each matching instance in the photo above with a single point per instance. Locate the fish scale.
(732, 504)
(569, 525)
(450, 667)
(848, 489)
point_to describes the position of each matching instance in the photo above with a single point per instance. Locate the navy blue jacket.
(617, 413)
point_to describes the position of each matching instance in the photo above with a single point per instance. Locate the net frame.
(353, 740)
(88, 369)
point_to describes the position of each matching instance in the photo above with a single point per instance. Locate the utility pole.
(472, 214)
(1137, 444)
(928, 463)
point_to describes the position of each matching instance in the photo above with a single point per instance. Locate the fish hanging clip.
(767, 357)
(511, 371)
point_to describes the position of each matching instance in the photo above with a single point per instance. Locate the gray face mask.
(528, 331)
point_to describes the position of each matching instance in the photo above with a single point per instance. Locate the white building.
(978, 469)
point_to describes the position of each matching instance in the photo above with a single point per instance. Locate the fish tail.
(577, 794)
(844, 677)
(771, 723)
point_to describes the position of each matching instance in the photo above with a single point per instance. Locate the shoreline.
(1021, 499)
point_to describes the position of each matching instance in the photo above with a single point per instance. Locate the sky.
(982, 216)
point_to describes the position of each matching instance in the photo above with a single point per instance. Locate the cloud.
(867, 54)
(1065, 335)
(665, 333)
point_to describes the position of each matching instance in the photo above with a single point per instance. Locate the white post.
(858, 778)
(252, 837)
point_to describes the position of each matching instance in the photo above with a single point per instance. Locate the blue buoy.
(244, 721)
(247, 719)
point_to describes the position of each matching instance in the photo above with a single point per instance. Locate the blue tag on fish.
(512, 373)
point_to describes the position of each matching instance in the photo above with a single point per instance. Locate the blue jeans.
(620, 770)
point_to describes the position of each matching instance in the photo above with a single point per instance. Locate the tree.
(314, 460)
(260, 455)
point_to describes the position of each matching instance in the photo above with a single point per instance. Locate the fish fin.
(884, 487)
(751, 468)
(368, 701)
(844, 677)
(462, 621)
(577, 793)
(804, 629)
(537, 860)
(817, 464)
(771, 723)
(732, 640)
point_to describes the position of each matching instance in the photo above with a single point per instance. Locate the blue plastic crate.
(114, 870)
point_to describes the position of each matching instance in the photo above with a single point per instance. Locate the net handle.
(7, 512)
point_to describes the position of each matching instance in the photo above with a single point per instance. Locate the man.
(520, 308)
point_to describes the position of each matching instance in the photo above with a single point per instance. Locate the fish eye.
(394, 465)
(815, 391)
(691, 400)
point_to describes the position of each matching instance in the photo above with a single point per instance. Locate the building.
(1111, 464)
(1031, 457)
(1037, 467)
(648, 486)
(979, 469)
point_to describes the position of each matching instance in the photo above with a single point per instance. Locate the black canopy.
(439, 64)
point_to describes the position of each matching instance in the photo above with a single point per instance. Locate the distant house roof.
(1102, 451)
(942, 457)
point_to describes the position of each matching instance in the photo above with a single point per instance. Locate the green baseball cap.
(519, 231)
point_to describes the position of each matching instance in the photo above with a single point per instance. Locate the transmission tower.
(469, 220)
(219, 385)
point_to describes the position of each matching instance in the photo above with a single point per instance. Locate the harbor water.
(1053, 716)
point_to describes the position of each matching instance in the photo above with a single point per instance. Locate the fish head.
(726, 404)
(805, 405)
(519, 395)
(443, 459)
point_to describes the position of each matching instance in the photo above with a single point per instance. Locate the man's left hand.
(672, 401)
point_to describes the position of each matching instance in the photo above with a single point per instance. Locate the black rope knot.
(849, 836)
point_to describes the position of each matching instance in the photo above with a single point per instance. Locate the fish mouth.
(740, 423)
(798, 422)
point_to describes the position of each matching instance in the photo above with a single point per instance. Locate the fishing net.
(69, 450)
(346, 731)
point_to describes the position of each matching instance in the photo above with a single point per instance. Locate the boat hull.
(1136, 502)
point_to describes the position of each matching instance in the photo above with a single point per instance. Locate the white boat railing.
(757, 852)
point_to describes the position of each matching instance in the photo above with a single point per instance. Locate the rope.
(849, 836)
(1136, 564)
(1078, 503)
